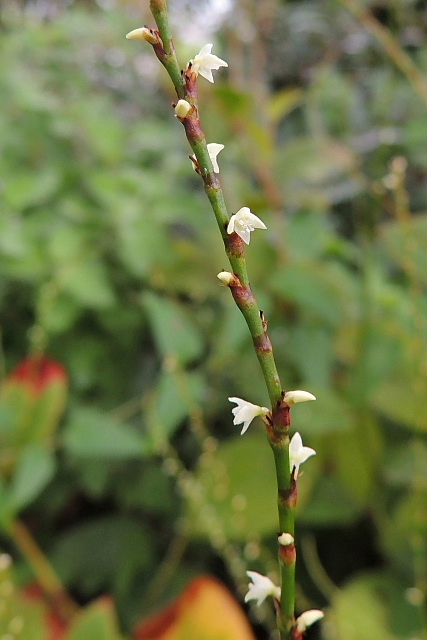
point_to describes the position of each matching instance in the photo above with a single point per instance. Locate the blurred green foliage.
(108, 256)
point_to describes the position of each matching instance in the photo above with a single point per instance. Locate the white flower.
(213, 149)
(182, 108)
(245, 412)
(285, 539)
(205, 62)
(298, 453)
(308, 618)
(293, 397)
(261, 588)
(243, 223)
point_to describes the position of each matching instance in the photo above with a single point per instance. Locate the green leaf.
(329, 503)
(29, 189)
(176, 395)
(374, 606)
(34, 469)
(282, 103)
(87, 282)
(103, 554)
(174, 331)
(402, 402)
(311, 289)
(21, 617)
(240, 485)
(98, 621)
(90, 433)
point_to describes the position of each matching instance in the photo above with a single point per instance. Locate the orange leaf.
(205, 611)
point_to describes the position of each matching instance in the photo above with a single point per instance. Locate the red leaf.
(206, 609)
(39, 372)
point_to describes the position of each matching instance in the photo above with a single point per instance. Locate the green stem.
(278, 430)
(167, 55)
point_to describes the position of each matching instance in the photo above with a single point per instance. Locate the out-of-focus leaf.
(88, 555)
(87, 281)
(282, 102)
(98, 621)
(177, 394)
(310, 289)
(32, 400)
(357, 461)
(316, 169)
(30, 189)
(34, 469)
(406, 242)
(329, 414)
(235, 102)
(412, 412)
(240, 484)
(90, 433)
(21, 617)
(374, 605)
(205, 610)
(406, 461)
(174, 331)
(404, 533)
(330, 503)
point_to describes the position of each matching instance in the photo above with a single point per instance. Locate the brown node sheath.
(289, 496)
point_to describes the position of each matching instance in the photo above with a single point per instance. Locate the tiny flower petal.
(213, 149)
(205, 62)
(308, 618)
(182, 108)
(293, 397)
(298, 453)
(260, 588)
(144, 33)
(245, 412)
(286, 539)
(243, 223)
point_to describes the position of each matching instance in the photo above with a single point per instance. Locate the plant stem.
(43, 570)
(278, 429)
(167, 56)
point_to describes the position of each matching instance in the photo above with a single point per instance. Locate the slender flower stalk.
(236, 231)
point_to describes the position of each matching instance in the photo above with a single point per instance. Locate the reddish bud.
(37, 373)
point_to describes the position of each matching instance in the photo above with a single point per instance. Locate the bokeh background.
(133, 481)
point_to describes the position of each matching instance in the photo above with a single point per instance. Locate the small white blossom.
(245, 412)
(205, 62)
(286, 539)
(243, 223)
(213, 149)
(298, 453)
(260, 588)
(308, 618)
(182, 108)
(293, 397)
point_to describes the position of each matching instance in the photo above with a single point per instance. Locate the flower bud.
(293, 397)
(144, 33)
(226, 278)
(308, 618)
(182, 108)
(285, 539)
